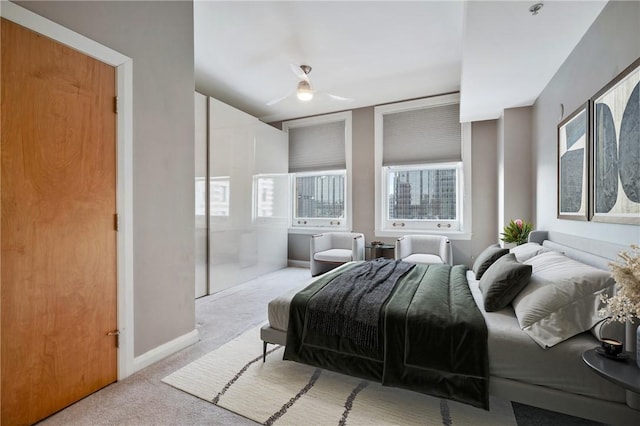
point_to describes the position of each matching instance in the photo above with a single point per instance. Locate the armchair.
(425, 249)
(331, 249)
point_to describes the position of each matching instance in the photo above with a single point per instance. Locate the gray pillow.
(502, 282)
(527, 251)
(486, 259)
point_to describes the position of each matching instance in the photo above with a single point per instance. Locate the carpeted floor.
(142, 399)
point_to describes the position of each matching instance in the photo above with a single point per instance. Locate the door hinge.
(116, 222)
(117, 334)
(115, 104)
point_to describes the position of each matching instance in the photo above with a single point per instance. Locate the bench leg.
(264, 351)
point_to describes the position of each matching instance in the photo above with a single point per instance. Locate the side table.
(621, 372)
(377, 250)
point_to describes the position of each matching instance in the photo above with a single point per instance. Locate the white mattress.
(512, 354)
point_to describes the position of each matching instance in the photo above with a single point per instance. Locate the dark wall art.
(616, 150)
(573, 141)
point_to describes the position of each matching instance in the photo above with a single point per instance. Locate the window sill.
(452, 235)
(315, 230)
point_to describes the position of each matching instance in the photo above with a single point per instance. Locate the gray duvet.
(512, 353)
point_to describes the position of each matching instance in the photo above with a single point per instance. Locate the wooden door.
(58, 179)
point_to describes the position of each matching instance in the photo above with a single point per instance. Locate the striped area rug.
(279, 392)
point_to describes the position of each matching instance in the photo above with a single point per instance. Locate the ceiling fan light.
(304, 92)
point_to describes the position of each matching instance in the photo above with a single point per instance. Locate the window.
(318, 197)
(423, 196)
(423, 184)
(319, 166)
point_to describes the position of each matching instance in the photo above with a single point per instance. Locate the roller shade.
(425, 135)
(317, 147)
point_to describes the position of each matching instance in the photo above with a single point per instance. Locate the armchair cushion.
(334, 255)
(431, 259)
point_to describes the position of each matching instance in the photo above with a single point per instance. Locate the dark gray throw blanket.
(350, 304)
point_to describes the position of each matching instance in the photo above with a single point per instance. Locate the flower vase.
(638, 346)
(631, 338)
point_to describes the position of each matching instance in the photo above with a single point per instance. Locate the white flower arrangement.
(625, 305)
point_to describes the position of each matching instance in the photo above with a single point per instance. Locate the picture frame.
(573, 165)
(615, 147)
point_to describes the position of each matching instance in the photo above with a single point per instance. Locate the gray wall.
(484, 150)
(484, 181)
(521, 146)
(515, 196)
(609, 46)
(158, 36)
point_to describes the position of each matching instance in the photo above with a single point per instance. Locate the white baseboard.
(164, 350)
(298, 263)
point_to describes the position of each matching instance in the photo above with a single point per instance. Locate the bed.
(521, 366)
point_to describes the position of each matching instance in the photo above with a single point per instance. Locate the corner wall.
(484, 150)
(158, 36)
(514, 167)
(610, 45)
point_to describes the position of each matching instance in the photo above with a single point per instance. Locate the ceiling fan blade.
(280, 99)
(340, 98)
(299, 73)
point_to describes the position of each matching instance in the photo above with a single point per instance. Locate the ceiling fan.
(304, 91)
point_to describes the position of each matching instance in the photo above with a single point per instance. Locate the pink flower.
(518, 223)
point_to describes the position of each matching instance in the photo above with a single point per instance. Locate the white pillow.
(527, 251)
(562, 298)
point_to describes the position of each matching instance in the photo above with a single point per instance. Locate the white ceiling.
(495, 53)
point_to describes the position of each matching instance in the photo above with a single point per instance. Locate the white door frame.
(124, 139)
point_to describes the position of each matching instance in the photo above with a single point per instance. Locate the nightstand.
(377, 250)
(621, 372)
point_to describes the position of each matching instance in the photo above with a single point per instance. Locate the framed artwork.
(615, 166)
(573, 165)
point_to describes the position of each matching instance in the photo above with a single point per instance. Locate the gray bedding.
(512, 353)
(430, 336)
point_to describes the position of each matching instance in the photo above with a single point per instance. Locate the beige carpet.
(286, 393)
